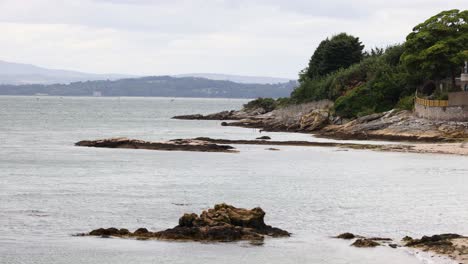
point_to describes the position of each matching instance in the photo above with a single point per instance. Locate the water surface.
(50, 189)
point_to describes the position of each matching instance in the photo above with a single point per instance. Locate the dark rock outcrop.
(364, 242)
(264, 138)
(222, 223)
(435, 240)
(346, 236)
(176, 144)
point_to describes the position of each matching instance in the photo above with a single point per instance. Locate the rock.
(315, 120)
(221, 223)
(346, 236)
(435, 240)
(105, 232)
(224, 124)
(363, 242)
(273, 149)
(176, 144)
(141, 231)
(393, 245)
(264, 138)
(187, 220)
(407, 238)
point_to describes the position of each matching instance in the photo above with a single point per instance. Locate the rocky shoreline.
(453, 246)
(223, 223)
(317, 118)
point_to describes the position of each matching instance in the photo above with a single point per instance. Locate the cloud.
(264, 37)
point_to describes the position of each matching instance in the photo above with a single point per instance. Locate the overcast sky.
(248, 37)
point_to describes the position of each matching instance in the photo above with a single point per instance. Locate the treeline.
(361, 83)
(164, 86)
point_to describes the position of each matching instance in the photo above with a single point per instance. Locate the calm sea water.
(50, 189)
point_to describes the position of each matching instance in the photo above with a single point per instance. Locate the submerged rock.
(264, 138)
(222, 223)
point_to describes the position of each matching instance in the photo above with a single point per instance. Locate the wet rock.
(141, 231)
(393, 245)
(264, 138)
(105, 232)
(364, 243)
(435, 240)
(406, 238)
(222, 223)
(171, 145)
(273, 149)
(346, 236)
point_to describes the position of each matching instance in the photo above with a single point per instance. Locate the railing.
(431, 103)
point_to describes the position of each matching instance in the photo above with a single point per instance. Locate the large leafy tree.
(438, 46)
(341, 51)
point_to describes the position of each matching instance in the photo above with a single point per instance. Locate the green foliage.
(438, 46)
(405, 103)
(375, 84)
(341, 51)
(384, 79)
(269, 104)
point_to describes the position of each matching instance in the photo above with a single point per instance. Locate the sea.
(51, 189)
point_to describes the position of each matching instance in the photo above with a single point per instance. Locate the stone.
(315, 120)
(346, 236)
(222, 223)
(264, 138)
(171, 145)
(364, 243)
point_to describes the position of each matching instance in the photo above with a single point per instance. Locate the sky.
(158, 37)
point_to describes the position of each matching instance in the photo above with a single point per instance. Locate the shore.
(418, 135)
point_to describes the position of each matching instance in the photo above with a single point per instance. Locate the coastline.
(415, 134)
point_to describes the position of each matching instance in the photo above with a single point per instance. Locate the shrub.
(269, 104)
(405, 103)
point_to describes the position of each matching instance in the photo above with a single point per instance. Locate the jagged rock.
(364, 242)
(221, 223)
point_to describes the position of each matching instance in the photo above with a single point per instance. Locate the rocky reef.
(176, 144)
(453, 245)
(223, 223)
(363, 242)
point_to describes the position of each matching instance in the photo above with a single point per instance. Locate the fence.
(431, 103)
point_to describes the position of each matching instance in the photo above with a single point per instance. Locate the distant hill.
(156, 86)
(236, 78)
(18, 73)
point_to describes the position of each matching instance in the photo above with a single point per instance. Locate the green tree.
(341, 51)
(438, 46)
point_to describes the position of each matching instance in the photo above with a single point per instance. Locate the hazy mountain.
(156, 86)
(236, 78)
(18, 73)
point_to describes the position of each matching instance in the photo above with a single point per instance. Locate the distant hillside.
(155, 86)
(18, 73)
(236, 78)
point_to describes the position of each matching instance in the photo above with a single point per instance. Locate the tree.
(438, 46)
(341, 51)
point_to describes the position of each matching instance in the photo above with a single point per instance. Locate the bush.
(269, 104)
(405, 103)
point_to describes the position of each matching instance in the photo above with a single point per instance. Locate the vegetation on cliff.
(362, 83)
